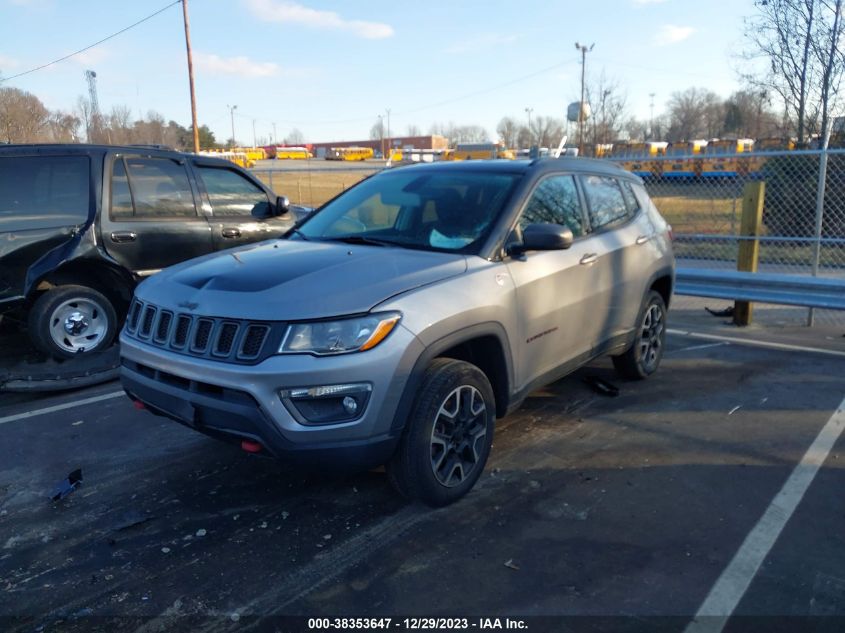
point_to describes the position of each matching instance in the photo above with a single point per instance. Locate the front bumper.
(236, 402)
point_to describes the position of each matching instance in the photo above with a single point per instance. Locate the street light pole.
(389, 151)
(254, 138)
(651, 120)
(232, 114)
(529, 111)
(584, 50)
(381, 132)
(196, 131)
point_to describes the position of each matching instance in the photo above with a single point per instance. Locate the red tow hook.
(139, 405)
(251, 447)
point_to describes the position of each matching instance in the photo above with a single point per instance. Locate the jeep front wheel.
(70, 320)
(448, 435)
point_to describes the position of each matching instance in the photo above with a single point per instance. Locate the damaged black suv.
(80, 225)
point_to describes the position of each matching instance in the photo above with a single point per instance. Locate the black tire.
(69, 304)
(643, 358)
(420, 468)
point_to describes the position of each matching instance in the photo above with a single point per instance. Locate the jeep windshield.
(430, 210)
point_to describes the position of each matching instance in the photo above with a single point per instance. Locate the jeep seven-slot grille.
(201, 336)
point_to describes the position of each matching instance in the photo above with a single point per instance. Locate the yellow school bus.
(632, 157)
(349, 153)
(239, 158)
(684, 159)
(293, 153)
(482, 151)
(722, 158)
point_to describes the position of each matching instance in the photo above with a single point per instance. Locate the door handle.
(120, 237)
(230, 232)
(642, 239)
(589, 258)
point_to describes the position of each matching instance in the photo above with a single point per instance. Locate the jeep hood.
(284, 280)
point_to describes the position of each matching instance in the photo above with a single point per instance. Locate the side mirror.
(282, 205)
(543, 237)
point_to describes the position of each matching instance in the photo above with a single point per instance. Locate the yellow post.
(753, 197)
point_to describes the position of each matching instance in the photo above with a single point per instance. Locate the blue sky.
(329, 68)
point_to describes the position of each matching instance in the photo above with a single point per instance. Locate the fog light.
(350, 405)
(327, 404)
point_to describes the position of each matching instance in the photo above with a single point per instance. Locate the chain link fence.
(312, 182)
(803, 231)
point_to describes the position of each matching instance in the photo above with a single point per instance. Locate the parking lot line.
(734, 581)
(60, 407)
(745, 341)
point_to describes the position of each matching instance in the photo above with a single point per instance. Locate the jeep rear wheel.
(70, 320)
(448, 435)
(642, 359)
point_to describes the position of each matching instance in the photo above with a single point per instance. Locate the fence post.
(753, 196)
(817, 245)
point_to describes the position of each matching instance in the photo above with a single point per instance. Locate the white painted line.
(737, 576)
(695, 347)
(60, 407)
(753, 343)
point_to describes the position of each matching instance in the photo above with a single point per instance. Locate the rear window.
(43, 191)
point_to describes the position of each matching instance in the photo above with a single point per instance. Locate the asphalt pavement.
(707, 496)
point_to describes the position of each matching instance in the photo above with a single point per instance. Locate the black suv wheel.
(448, 435)
(642, 359)
(69, 320)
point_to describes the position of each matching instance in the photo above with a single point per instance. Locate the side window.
(121, 196)
(555, 200)
(230, 194)
(630, 198)
(160, 188)
(44, 191)
(605, 201)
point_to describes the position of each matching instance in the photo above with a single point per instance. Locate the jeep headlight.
(356, 334)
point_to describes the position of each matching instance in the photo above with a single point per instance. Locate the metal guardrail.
(813, 292)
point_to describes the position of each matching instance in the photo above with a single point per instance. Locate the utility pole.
(191, 77)
(254, 139)
(651, 120)
(604, 96)
(584, 50)
(232, 114)
(381, 132)
(389, 150)
(275, 138)
(529, 111)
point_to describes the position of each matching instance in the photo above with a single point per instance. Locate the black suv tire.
(79, 306)
(448, 435)
(642, 359)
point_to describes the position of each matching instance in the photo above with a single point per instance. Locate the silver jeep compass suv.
(397, 322)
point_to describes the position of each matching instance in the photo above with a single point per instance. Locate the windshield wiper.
(299, 233)
(362, 239)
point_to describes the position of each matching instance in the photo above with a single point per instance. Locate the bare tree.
(508, 131)
(414, 130)
(377, 130)
(460, 133)
(63, 127)
(608, 102)
(827, 49)
(23, 118)
(294, 137)
(120, 125)
(695, 113)
(802, 42)
(546, 131)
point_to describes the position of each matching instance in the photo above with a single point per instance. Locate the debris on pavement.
(511, 565)
(131, 519)
(735, 409)
(67, 486)
(727, 312)
(201, 532)
(601, 386)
